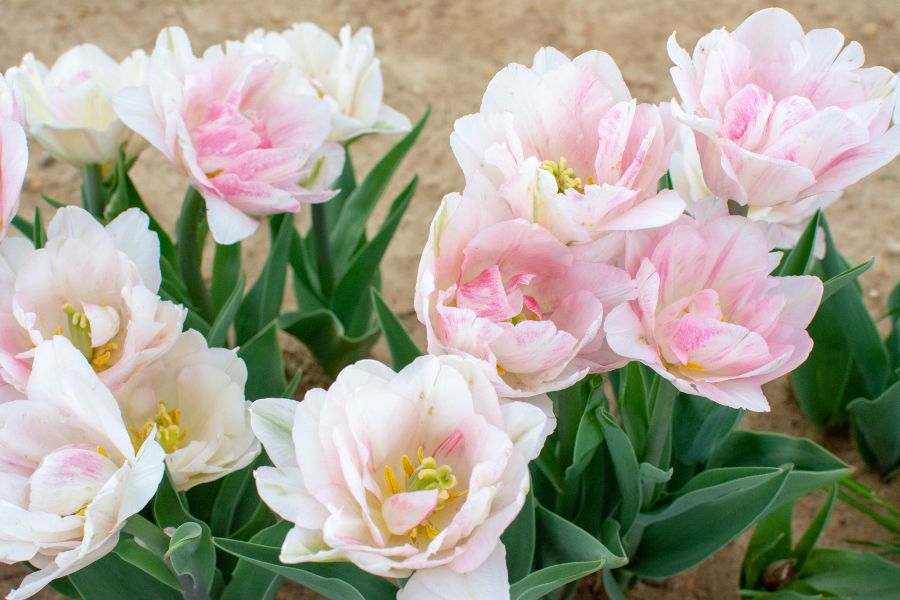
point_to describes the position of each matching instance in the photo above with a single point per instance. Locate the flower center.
(564, 175)
(78, 330)
(427, 475)
(169, 431)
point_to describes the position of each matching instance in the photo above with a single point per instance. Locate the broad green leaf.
(186, 555)
(711, 510)
(876, 424)
(588, 436)
(251, 581)
(849, 574)
(837, 282)
(351, 225)
(323, 334)
(400, 344)
(337, 581)
(633, 404)
(218, 331)
(235, 487)
(625, 465)
(519, 540)
(350, 301)
(813, 466)
(800, 258)
(566, 552)
(144, 559)
(263, 302)
(700, 425)
(265, 363)
(113, 577)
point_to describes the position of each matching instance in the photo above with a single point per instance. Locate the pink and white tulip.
(344, 72)
(582, 155)
(96, 286)
(247, 129)
(68, 107)
(193, 398)
(13, 153)
(509, 293)
(708, 317)
(70, 475)
(411, 473)
(784, 120)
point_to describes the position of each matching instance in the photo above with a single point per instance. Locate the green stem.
(659, 436)
(323, 248)
(93, 192)
(189, 249)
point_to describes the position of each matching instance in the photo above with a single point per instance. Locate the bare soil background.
(443, 54)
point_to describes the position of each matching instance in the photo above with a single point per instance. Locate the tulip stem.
(93, 193)
(189, 250)
(659, 437)
(323, 248)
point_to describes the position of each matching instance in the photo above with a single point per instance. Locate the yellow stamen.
(102, 354)
(169, 432)
(214, 174)
(391, 480)
(692, 366)
(407, 466)
(501, 371)
(564, 175)
(421, 454)
(431, 530)
(102, 451)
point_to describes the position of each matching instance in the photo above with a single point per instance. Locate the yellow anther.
(214, 174)
(407, 466)
(420, 453)
(564, 175)
(102, 451)
(169, 432)
(431, 530)
(501, 371)
(101, 355)
(391, 480)
(692, 366)
(58, 331)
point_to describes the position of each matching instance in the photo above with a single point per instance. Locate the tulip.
(192, 397)
(70, 474)
(509, 293)
(586, 156)
(784, 121)
(95, 285)
(415, 473)
(248, 130)
(708, 317)
(68, 107)
(344, 72)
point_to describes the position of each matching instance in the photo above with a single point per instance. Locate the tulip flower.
(586, 156)
(248, 130)
(509, 293)
(415, 473)
(192, 398)
(708, 317)
(784, 120)
(344, 72)
(96, 286)
(70, 474)
(68, 107)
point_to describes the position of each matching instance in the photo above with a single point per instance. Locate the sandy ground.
(444, 53)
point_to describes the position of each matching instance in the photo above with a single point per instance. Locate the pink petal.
(406, 510)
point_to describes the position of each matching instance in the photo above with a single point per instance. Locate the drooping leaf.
(400, 344)
(218, 331)
(519, 540)
(876, 424)
(800, 258)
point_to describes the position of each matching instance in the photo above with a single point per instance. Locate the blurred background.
(443, 54)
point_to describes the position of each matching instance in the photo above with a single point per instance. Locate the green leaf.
(711, 510)
(350, 301)
(567, 554)
(700, 425)
(322, 332)
(124, 196)
(185, 555)
(875, 425)
(519, 540)
(235, 487)
(338, 581)
(357, 209)
(626, 468)
(806, 544)
(306, 284)
(813, 466)
(633, 406)
(799, 260)
(345, 185)
(771, 542)
(39, 234)
(836, 283)
(94, 194)
(291, 388)
(218, 331)
(225, 274)
(113, 577)
(400, 344)
(144, 559)
(849, 574)
(251, 581)
(265, 363)
(263, 301)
